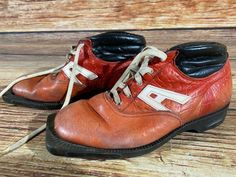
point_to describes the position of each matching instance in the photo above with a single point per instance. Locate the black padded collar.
(116, 46)
(200, 59)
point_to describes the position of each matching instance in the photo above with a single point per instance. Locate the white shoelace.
(136, 71)
(75, 70)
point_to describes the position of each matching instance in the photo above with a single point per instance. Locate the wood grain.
(58, 43)
(212, 153)
(55, 15)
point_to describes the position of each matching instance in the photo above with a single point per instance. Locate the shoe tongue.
(82, 72)
(156, 65)
(87, 48)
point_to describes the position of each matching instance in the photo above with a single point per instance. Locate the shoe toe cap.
(78, 123)
(24, 88)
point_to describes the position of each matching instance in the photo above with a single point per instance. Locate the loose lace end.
(23, 140)
(6, 151)
(66, 102)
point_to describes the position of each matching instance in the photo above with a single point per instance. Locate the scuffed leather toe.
(25, 88)
(79, 123)
(44, 88)
(94, 123)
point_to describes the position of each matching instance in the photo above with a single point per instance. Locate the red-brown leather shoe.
(101, 61)
(154, 100)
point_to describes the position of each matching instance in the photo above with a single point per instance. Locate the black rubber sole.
(11, 98)
(60, 147)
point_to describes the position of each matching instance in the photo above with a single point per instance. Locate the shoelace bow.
(76, 68)
(135, 71)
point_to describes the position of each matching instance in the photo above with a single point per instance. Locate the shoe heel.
(210, 121)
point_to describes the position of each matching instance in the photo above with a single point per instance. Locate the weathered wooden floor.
(54, 15)
(212, 153)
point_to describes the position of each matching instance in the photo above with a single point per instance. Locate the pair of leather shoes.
(128, 99)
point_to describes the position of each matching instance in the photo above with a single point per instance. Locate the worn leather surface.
(50, 88)
(115, 46)
(53, 88)
(200, 59)
(99, 122)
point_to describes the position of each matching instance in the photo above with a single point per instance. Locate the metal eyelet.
(119, 103)
(152, 71)
(54, 75)
(140, 84)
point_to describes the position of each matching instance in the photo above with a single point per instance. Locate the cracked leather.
(99, 122)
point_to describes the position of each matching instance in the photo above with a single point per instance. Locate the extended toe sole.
(60, 147)
(11, 98)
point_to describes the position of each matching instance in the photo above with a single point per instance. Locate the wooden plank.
(212, 153)
(52, 15)
(58, 43)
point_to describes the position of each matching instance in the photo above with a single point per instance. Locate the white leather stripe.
(161, 95)
(79, 70)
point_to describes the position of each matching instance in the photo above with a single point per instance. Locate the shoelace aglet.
(4, 152)
(23, 140)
